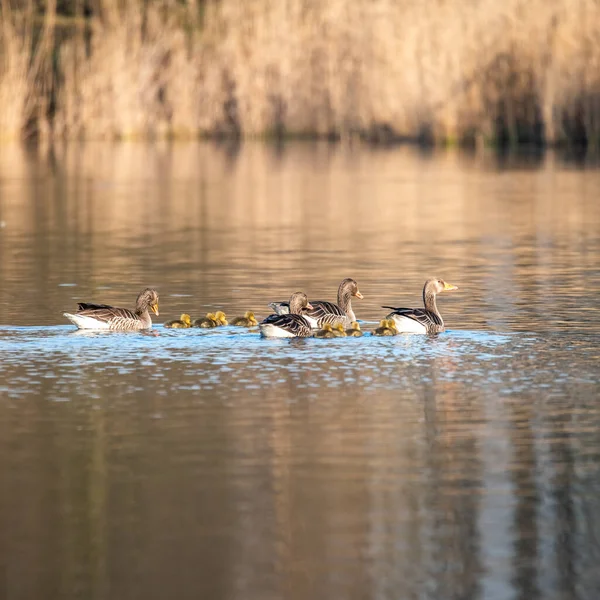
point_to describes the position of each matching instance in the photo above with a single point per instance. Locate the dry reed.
(438, 70)
(25, 69)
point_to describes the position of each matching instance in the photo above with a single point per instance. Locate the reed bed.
(443, 71)
(25, 69)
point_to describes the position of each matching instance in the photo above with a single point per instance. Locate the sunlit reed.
(516, 71)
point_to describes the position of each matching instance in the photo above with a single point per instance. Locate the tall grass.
(25, 69)
(438, 70)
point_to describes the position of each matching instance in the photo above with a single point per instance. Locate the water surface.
(190, 463)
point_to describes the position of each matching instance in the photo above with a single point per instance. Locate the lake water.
(216, 464)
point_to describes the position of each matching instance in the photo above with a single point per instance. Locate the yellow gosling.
(209, 320)
(339, 331)
(386, 327)
(354, 330)
(183, 322)
(221, 318)
(248, 320)
(326, 332)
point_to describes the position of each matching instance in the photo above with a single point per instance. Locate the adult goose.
(290, 325)
(327, 312)
(280, 308)
(422, 320)
(335, 314)
(103, 316)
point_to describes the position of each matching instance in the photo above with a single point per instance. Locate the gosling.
(221, 318)
(326, 332)
(339, 331)
(210, 320)
(386, 327)
(354, 330)
(183, 322)
(247, 320)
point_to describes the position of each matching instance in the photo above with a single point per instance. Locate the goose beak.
(154, 309)
(449, 286)
(359, 295)
(309, 306)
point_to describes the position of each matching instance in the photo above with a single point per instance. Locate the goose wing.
(326, 312)
(420, 315)
(294, 324)
(91, 306)
(321, 308)
(105, 313)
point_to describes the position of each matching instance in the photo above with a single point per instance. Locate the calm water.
(214, 464)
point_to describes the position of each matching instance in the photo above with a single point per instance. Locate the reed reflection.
(179, 463)
(199, 224)
(523, 470)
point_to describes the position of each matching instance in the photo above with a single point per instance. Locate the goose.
(327, 312)
(291, 325)
(104, 316)
(422, 320)
(280, 308)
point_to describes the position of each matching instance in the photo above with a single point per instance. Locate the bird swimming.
(104, 316)
(422, 320)
(338, 330)
(210, 320)
(248, 320)
(326, 332)
(328, 312)
(183, 322)
(386, 327)
(354, 330)
(290, 325)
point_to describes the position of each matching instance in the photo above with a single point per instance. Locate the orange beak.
(309, 306)
(359, 295)
(154, 309)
